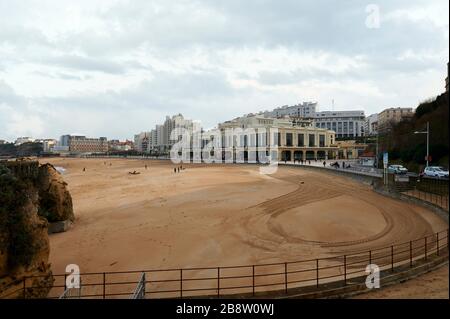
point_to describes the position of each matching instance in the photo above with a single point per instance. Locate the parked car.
(397, 169)
(435, 171)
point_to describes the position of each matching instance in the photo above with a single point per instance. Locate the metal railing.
(430, 190)
(251, 280)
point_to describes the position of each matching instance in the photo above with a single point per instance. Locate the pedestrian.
(343, 164)
(174, 170)
(145, 166)
(84, 169)
(324, 163)
(309, 162)
(178, 169)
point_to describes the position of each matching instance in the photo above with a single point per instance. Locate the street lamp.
(428, 140)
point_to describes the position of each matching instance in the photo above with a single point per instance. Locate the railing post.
(181, 283)
(104, 285)
(410, 253)
(317, 273)
(285, 278)
(218, 282)
(437, 244)
(426, 248)
(392, 258)
(345, 270)
(253, 279)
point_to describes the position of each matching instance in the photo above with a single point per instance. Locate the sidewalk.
(354, 167)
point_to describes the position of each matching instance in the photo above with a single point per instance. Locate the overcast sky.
(115, 68)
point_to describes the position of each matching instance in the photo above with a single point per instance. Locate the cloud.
(116, 67)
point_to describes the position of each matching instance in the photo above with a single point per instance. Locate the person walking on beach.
(324, 163)
(174, 170)
(178, 169)
(84, 169)
(145, 166)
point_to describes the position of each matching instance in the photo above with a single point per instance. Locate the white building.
(303, 110)
(371, 125)
(22, 140)
(346, 124)
(49, 144)
(159, 139)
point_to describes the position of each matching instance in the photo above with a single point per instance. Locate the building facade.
(285, 139)
(346, 124)
(142, 141)
(371, 125)
(83, 144)
(301, 110)
(389, 117)
(48, 145)
(161, 138)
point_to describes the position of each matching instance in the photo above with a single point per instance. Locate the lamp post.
(376, 152)
(428, 141)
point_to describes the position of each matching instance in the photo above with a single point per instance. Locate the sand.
(221, 215)
(433, 285)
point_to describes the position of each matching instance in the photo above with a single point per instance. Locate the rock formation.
(31, 196)
(55, 202)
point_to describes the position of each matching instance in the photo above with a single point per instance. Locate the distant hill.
(410, 149)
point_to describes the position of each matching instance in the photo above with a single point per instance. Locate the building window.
(312, 140)
(322, 140)
(301, 140)
(288, 139)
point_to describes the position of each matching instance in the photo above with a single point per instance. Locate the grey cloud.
(77, 62)
(9, 97)
(168, 31)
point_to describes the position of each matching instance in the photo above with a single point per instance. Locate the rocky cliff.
(55, 202)
(30, 197)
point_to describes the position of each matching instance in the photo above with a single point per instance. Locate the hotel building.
(286, 138)
(346, 124)
(83, 144)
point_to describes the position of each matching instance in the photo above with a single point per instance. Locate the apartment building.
(388, 117)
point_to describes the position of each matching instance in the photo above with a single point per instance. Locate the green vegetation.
(410, 149)
(17, 239)
(26, 149)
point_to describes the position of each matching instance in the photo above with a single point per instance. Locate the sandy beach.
(221, 215)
